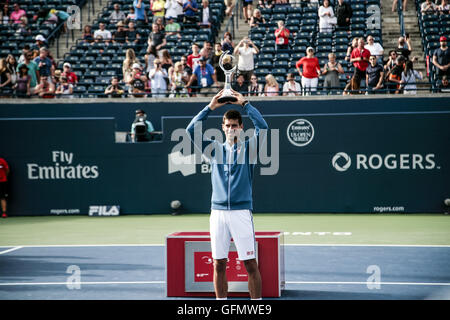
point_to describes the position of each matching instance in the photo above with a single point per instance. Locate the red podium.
(189, 265)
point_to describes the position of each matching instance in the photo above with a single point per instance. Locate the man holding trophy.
(232, 166)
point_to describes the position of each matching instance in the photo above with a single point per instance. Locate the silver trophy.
(228, 64)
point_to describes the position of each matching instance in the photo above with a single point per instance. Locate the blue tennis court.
(137, 272)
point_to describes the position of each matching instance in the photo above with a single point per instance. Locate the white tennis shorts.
(236, 224)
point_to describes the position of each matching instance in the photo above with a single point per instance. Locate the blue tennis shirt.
(232, 166)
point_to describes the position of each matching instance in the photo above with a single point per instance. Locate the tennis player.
(231, 201)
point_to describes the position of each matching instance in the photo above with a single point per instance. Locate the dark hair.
(233, 115)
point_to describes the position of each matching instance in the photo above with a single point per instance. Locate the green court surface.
(370, 229)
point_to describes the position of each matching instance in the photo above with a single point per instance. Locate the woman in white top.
(327, 19)
(158, 80)
(444, 7)
(173, 8)
(409, 77)
(291, 87)
(246, 50)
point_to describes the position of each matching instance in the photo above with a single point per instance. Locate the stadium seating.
(302, 21)
(431, 27)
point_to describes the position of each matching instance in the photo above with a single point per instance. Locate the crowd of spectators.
(197, 73)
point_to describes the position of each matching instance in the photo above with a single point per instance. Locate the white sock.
(222, 298)
(256, 299)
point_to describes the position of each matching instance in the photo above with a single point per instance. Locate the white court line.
(287, 282)
(10, 250)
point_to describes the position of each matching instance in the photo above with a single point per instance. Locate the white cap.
(136, 66)
(40, 37)
(309, 48)
(66, 64)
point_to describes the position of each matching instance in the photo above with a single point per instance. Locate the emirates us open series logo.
(300, 132)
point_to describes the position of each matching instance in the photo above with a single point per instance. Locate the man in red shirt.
(194, 58)
(360, 59)
(311, 71)
(4, 172)
(67, 72)
(281, 36)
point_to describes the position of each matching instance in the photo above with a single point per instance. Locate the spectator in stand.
(22, 87)
(69, 74)
(247, 8)
(149, 59)
(409, 77)
(428, 7)
(4, 14)
(45, 89)
(25, 50)
(281, 36)
(64, 89)
(127, 65)
(229, 7)
(331, 71)
(441, 58)
(166, 60)
(178, 81)
(207, 51)
(5, 80)
(227, 42)
(172, 27)
(395, 75)
(391, 63)
(4, 173)
(404, 47)
(256, 18)
(190, 9)
(33, 70)
(291, 87)
(309, 69)
(44, 16)
(159, 79)
(156, 39)
(159, 21)
(255, 89)
(271, 88)
(268, 4)
(206, 19)
(374, 76)
(220, 75)
(131, 35)
(240, 85)
(350, 48)
(114, 90)
(444, 7)
(360, 59)
(120, 35)
(138, 82)
(174, 9)
(444, 86)
(246, 50)
(140, 14)
(157, 8)
(105, 34)
(344, 13)
(375, 49)
(88, 36)
(194, 57)
(11, 65)
(205, 77)
(17, 14)
(327, 19)
(40, 42)
(57, 78)
(45, 65)
(131, 16)
(394, 5)
(117, 15)
(187, 71)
